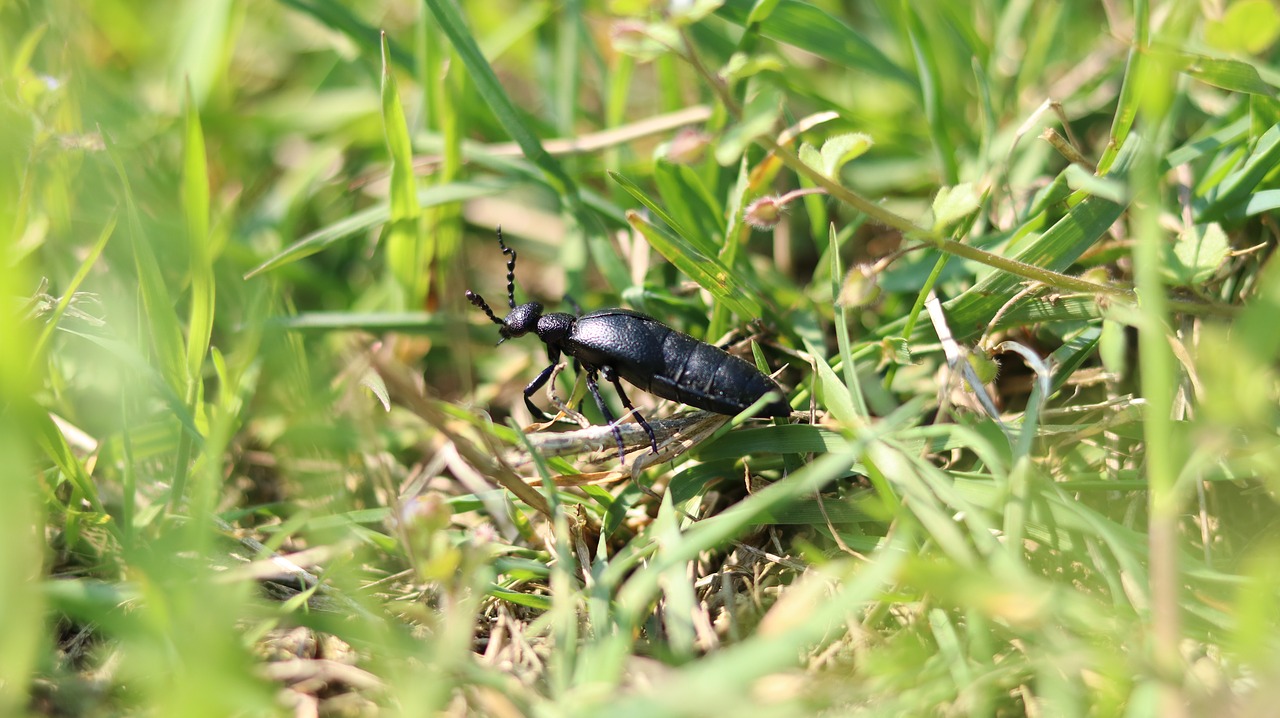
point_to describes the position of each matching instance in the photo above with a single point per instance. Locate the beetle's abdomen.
(707, 377)
(670, 364)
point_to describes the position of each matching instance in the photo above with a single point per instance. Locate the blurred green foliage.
(262, 457)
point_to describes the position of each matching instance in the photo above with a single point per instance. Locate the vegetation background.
(262, 458)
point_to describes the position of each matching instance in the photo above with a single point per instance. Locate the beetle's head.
(522, 320)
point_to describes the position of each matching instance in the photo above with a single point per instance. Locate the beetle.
(623, 344)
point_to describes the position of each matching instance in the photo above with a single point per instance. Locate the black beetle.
(620, 343)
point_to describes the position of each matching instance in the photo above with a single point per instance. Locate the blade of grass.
(408, 249)
(1056, 249)
(842, 328)
(931, 96)
(706, 686)
(366, 219)
(700, 242)
(340, 17)
(51, 322)
(814, 30)
(195, 206)
(1159, 374)
(157, 303)
(708, 272)
(641, 588)
(447, 13)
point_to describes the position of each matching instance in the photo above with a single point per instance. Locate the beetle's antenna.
(479, 301)
(511, 269)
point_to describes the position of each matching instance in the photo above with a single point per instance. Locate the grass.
(1012, 260)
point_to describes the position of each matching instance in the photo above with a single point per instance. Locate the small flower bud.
(765, 213)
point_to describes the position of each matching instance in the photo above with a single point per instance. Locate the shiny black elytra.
(620, 343)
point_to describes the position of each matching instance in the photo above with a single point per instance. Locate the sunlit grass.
(264, 458)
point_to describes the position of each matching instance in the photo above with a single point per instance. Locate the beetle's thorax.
(555, 327)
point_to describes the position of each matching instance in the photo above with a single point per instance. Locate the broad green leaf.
(1268, 200)
(1249, 26)
(953, 204)
(838, 150)
(834, 394)
(835, 152)
(1233, 75)
(761, 11)
(1197, 254)
(811, 156)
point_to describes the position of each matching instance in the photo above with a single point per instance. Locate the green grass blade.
(1056, 249)
(447, 13)
(859, 404)
(812, 29)
(22, 524)
(931, 94)
(708, 272)
(1237, 186)
(341, 18)
(366, 219)
(195, 206)
(157, 303)
(700, 242)
(408, 249)
(68, 292)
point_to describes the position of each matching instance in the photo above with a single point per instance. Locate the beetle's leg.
(594, 388)
(553, 354)
(534, 386)
(613, 377)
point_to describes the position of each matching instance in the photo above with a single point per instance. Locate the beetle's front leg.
(612, 376)
(537, 383)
